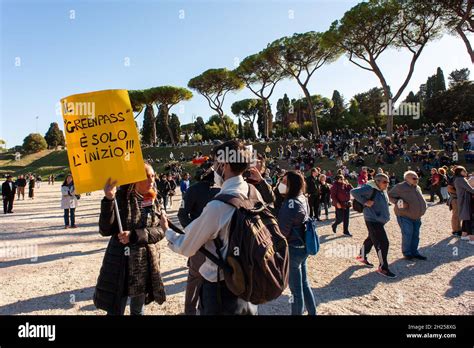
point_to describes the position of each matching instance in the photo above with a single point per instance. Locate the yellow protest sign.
(101, 139)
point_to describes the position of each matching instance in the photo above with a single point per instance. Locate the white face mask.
(282, 188)
(218, 179)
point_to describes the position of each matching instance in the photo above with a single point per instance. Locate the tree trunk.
(314, 119)
(150, 115)
(467, 43)
(226, 129)
(265, 118)
(390, 117)
(167, 123)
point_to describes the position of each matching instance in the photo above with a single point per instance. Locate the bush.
(34, 143)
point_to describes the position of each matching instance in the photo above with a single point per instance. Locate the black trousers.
(313, 201)
(216, 299)
(342, 215)
(8, 203)
(377, 238)
(193, 284)
(436, 190)
(467, 226)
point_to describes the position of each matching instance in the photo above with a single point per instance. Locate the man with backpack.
(233, 239)
(376, 215)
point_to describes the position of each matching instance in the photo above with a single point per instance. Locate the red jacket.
(362, 179)
(435, 179)
(341, 193)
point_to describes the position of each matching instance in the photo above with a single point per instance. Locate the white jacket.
(68, 199)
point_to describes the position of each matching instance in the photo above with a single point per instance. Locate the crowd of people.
(15, 189)
(208, 213)
(247, 208)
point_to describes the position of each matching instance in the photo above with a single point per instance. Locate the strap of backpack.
(218, 245)
(238, 202)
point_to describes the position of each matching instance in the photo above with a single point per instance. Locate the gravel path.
(61, 279)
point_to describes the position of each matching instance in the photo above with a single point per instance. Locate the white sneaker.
(465, 238)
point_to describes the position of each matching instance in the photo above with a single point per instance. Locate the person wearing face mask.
(195, 199)
(230, 162)
(291, 218)
(254, 175)
(131, 265)
(376, 215)
(279, 192)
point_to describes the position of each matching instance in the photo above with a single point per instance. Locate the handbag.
(311, 237)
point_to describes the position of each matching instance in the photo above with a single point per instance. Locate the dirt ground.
(61, 279)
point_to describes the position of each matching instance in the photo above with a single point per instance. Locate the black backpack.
(358, 206)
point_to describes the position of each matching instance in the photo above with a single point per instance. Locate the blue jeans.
(298, 282)
(410, 235)
(137, 305)
(66, 216)
(326, 207)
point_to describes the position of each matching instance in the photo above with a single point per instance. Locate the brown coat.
(411, 195)
(463, 192)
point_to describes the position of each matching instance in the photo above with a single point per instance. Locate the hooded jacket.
(379, 212)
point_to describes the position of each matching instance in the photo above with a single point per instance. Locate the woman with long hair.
(69, 201)
(291, 218)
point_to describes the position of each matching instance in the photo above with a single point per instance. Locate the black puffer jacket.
(113, 280)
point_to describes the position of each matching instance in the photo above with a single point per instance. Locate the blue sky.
(47, 55)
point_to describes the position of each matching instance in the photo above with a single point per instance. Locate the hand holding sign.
(110, 189)
(124, 237)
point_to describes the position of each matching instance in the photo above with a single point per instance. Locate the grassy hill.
(42, 163)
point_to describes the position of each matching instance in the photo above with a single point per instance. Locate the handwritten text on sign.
(102, 139)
